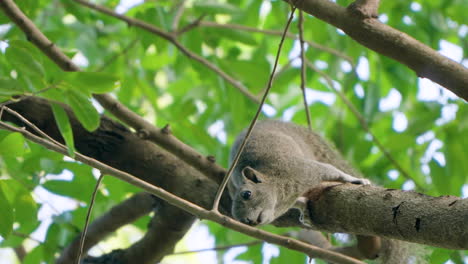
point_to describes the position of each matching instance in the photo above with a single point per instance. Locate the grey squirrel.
(280, 162)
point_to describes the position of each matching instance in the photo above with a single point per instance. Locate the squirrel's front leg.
(328, 172)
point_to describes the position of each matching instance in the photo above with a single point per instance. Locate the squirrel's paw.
(361, 181)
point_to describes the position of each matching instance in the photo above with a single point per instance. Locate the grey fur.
(280, 162)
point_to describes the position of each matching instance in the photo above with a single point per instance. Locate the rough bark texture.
(160, 239)
(365, 210)
(121, 214)
(404, 215)
(371, 33)
(167, 227)
(116, 146)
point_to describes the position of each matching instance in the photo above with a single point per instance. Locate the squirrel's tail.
(400, 252)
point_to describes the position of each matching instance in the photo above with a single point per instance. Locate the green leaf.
(289, 256)
(93, 82)
(21, 58)
(371, 101)
(83, 109)
(253, 254)
(439, 177)
(234, 35)
(13, 145)
(63, 123)
(9, 87)
(440, 255)
(3, 18)
(35, 256)
(22, 203)
(67, 188)
(254, 74)
(25, 208)
(457, 257)
(215, 8)
(6, 223)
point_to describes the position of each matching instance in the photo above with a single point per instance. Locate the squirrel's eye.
(246, 195)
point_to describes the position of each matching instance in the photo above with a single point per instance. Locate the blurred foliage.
(424, 128)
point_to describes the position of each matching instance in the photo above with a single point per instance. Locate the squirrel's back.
(270, 138)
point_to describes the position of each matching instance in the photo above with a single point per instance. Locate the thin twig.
(278, 73)
(188, 206)
(20, 252)
(300, 26)
(18, 234)
(171, 37)
(166, 140)
(190, 26)
(254, 121)
(31, 125)
(88, 216)
(117, 55)
(364, 124)
(44, 135)
(178, 15)
(277, 33)
(252, 243)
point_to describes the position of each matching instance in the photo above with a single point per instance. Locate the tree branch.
(364, 124)
(300, 27)
(124, 213)
(117, 55)
(376, 211)
(159, 241)
(179, 10)
(188, 206)
(277, 33)
(115, 145)
(249, 130)
(365, 8)
(166, 140)
(172, 38)
(424, 61)
(152, 248)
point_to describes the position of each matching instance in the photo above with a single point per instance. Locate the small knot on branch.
(143, 134)
(166, 129)
(365, 8)
(211, 158)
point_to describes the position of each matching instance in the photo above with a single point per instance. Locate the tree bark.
(124, 213)
(371, 33)
(115, 145)
(118, 147)
(376, 211)
(365, 210)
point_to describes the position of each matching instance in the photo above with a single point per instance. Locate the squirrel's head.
(254, 202)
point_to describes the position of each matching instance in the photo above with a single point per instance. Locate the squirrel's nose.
(259, 219)
(248, 221)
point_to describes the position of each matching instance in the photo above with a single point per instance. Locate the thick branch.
(364, 124)
(167, 141)
(159, 241)
(276, 33)
(117, 146)
(171, 38)
(124, 213)
(122, 149)
(426, 62)
(167, 227)
(404, 215)
(365, 8)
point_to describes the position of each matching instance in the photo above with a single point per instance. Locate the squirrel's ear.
(251, 174)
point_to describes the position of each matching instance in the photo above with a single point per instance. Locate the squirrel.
(279, 163)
